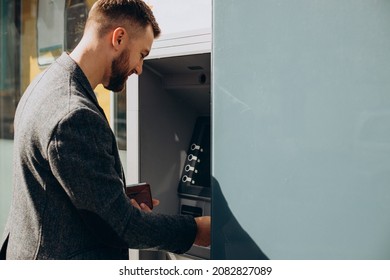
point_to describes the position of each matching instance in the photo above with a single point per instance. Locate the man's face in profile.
(119, 72)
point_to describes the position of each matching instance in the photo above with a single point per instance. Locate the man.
(69, 200)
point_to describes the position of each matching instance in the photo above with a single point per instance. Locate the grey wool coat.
(69, 200)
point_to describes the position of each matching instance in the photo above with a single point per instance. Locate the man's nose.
(138, 69)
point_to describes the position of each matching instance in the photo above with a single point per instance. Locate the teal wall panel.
(301, 125)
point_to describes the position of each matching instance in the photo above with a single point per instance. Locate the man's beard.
(119, 72)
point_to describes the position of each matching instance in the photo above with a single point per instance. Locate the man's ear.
(117, 38)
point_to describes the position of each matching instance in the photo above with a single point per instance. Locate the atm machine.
(168, 128)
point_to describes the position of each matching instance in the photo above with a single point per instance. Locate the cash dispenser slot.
(191, 210)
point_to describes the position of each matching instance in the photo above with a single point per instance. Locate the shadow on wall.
(229, 240)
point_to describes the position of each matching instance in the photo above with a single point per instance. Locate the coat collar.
(70, 65)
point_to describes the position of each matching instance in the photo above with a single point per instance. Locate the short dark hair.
(112, 13)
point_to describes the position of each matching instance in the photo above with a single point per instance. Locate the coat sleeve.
(83, 158)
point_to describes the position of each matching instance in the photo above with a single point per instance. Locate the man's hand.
(203, 234)
(143, 206)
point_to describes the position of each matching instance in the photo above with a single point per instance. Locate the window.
(10, 65)
(119, 118)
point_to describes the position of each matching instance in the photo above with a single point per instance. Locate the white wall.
(176, 16)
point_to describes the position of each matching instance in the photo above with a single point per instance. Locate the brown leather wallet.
(141, 193)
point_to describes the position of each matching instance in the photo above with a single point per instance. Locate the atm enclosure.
(168, 127)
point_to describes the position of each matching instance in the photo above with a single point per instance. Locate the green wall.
(6, 147)
(301, 117)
